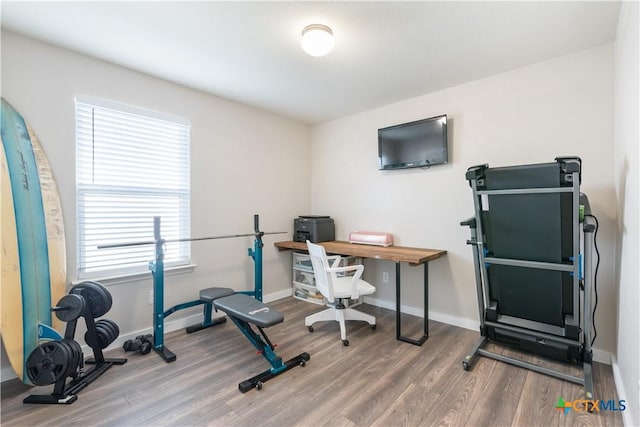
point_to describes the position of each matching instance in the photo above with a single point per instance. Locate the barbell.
(186, 239)
(257, 233)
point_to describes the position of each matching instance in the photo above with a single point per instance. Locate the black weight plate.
(96, 296)
(111, 335)
(112, 325)
(69, 355)
(93, 299)
(107, 295)
(80, 354)
(93, 341)
(70, 307)
(104, 323)
(72, 365)
(47, 363)
(77, 352)
(115, 327)
(105, 336)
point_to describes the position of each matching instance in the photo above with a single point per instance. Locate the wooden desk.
(398, 254)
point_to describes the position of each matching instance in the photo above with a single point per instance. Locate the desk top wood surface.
(413, 256)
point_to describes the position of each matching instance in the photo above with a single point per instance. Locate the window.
(131, 165)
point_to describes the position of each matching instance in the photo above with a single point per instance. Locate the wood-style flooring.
(376, 381)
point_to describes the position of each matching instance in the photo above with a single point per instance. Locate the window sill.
(136, 277)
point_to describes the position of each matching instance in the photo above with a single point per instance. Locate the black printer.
(314, 228)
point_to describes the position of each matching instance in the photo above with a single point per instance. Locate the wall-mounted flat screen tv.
(416, 144)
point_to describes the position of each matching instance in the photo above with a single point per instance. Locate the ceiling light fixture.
(317, 39)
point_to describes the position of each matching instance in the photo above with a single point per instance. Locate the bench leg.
(258, 380)
(264, 346)
(208, 320)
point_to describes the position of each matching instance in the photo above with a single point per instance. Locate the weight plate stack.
(99, 340)
(76, 350)
(106, 332)
(50, 362)
(96, 295)
(112, 326)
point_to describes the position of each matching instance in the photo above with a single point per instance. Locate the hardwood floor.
(376, 381)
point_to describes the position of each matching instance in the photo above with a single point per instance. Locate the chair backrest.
(320, 264)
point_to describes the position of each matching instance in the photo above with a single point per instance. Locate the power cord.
(595, 278)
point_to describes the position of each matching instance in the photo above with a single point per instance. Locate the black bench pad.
(210, 294)
(249, 309)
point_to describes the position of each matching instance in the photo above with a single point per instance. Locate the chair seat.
(335, 287)
(342, 287)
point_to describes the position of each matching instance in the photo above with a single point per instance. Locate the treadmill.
(532, 237)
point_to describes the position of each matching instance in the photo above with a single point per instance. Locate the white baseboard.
(474, 325)
(277, 295)
(6, 373)
(599, 355)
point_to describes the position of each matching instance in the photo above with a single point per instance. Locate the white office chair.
(336, 289)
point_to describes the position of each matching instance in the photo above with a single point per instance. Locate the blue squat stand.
(157, 270)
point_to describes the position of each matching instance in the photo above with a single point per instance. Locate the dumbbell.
(141, 343)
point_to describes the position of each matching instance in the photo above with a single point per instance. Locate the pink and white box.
(371, 238)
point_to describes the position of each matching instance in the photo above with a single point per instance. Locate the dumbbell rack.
(66, 393)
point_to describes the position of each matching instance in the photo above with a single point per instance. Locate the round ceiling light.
(317, 39)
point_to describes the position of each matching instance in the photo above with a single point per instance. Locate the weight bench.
(245, 311)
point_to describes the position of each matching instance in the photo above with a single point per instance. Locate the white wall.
(626, 164)
(243, 161)
(533, 114)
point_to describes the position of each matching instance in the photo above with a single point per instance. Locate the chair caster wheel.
(259, 385)
(465, 366)
(303, 363)
(345, 343)
(373, 327)
(310, 328)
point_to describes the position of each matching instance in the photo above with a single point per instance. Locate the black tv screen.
(412, 145)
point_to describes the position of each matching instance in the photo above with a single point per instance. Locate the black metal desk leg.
(425, 335)
(426, 300)
(398, 304)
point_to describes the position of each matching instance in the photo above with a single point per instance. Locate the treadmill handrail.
(529, 264)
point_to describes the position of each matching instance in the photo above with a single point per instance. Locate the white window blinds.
(131, 165)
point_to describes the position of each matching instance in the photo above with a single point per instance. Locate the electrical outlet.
(385, 277)
(151, 297)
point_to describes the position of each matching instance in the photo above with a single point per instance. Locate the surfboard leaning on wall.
(33, 258)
